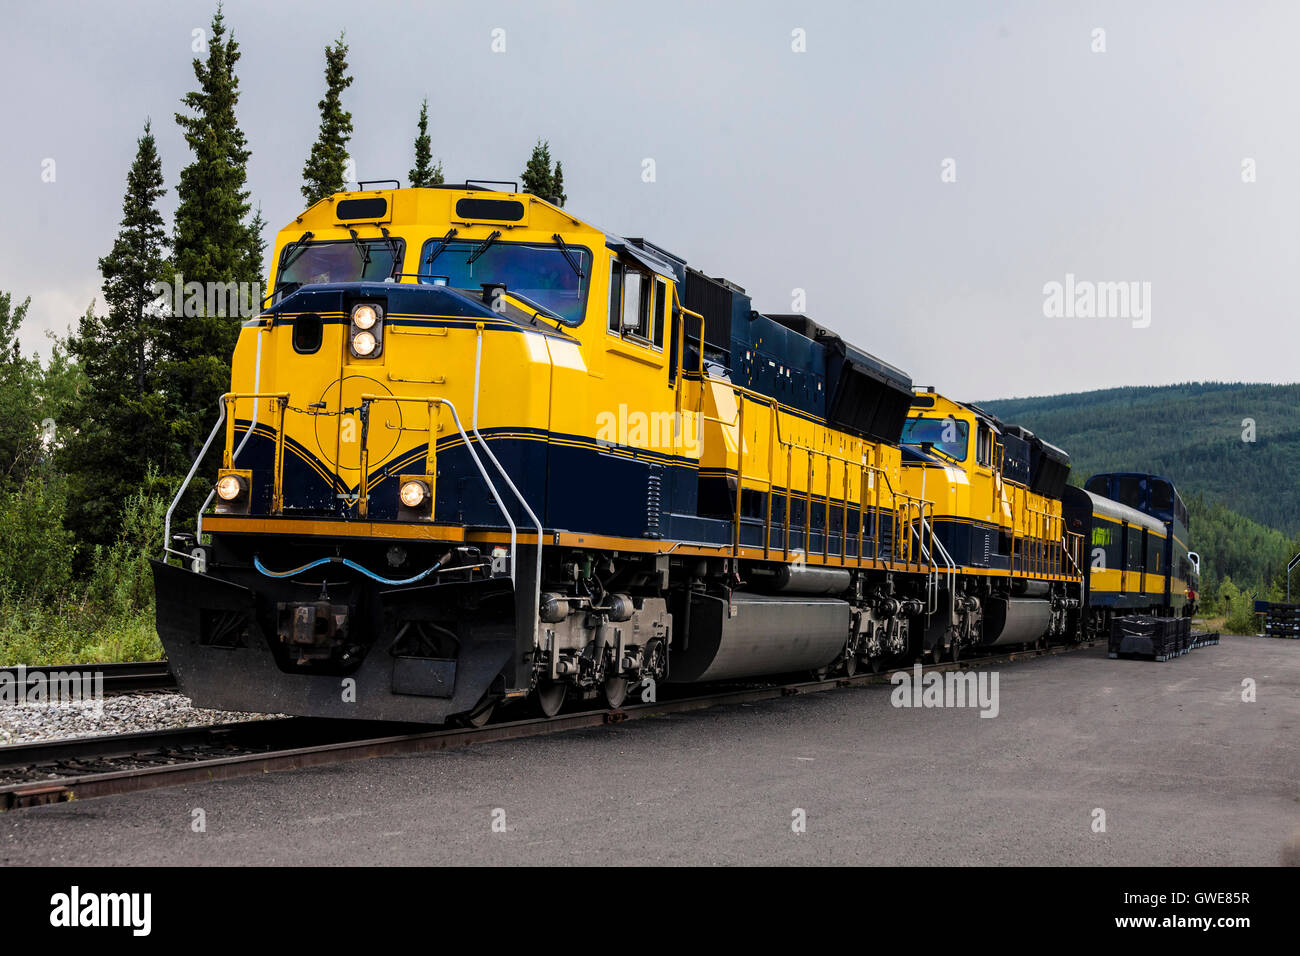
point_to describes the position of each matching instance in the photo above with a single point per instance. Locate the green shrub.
(45, 616)
(1237, 607)
(36, 551)
(74, 634)
(121, 580)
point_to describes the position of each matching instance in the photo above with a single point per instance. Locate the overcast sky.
(821, 170)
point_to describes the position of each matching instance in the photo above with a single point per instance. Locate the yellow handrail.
(431, 463)
(907, 507)
(281, 399)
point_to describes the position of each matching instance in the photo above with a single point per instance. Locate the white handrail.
(257, 382)
(478, 362)
(167, 521)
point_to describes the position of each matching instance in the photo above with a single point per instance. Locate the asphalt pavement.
(1088, 761)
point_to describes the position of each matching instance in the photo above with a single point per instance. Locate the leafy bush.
(1237, 607)
(37, 552)
(121, 580)
(45, 617)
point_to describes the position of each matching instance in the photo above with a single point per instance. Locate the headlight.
(363, 343)
(365, 316)
(229, 487)
(413, 493)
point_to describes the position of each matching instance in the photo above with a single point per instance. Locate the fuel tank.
(756, 634)
(1015, 620)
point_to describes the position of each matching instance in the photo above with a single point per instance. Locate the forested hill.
(1192, 434)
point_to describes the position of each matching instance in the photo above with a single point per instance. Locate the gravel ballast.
(124, 713)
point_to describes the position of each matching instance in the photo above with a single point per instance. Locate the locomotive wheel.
(850, 665)
(877, 663)
(615, 691)
(481, 714)
(550, 698)
(954, 652)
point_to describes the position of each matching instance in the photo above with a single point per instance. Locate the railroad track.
(79, 768)
(122, 678)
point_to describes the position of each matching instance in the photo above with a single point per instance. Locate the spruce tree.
(213, 242)
(323, 173)
(425, 172)
(537, 174)
(121, 418)
(557, 185)
(540, 179)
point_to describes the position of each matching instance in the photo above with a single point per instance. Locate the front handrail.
(167, 519)
(537, 588)
(227, 458)
(368, 399)
(231, 399)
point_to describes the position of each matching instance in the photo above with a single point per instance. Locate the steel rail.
(118, 678)
(192, 768)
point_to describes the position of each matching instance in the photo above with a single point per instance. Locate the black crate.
(1140, 635)
(1202, 639)
(1282, 620)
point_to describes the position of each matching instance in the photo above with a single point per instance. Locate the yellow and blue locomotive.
(1013, 569)
(479, 452)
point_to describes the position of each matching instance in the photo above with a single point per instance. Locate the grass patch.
(50, 616)
(75, 634)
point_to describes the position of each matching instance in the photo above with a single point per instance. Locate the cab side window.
(615, 296)
(660, 313)
(636, 299)
(984, 446)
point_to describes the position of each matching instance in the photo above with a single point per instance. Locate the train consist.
(477, 452)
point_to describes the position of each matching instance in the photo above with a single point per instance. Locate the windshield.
(946, 435)
(366, 260)
(538, 272)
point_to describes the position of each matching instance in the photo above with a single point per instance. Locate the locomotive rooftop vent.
(470, 209)
(372, 209)
(503, 210)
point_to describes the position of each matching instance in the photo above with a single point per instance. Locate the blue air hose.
(257, 563)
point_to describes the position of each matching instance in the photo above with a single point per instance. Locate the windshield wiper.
(296, 249)
(394, 250)
(496, 234)
(538, 307)
(568, 256)
(437, 250)
(932, 448)
(364, 247)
